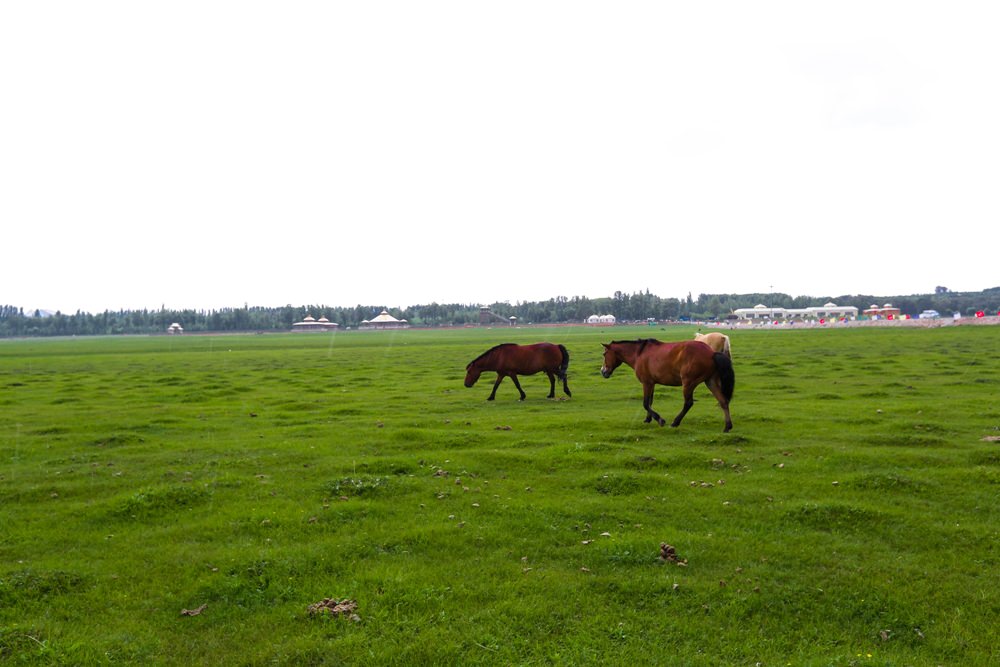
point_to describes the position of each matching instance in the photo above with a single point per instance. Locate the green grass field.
(850, 518)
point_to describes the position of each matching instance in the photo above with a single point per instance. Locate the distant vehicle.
(929, 315)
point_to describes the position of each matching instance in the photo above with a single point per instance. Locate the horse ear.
(606, 346)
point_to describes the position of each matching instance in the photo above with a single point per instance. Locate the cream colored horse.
(717, 341)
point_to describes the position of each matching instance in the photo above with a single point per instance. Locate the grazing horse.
(717, 341)
(686, 364)
(511, 360)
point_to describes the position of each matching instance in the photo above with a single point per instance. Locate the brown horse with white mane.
(685, 364)
(511, 360)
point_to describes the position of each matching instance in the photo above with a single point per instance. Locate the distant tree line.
(638, 306)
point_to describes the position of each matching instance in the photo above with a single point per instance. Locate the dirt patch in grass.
(332, 607)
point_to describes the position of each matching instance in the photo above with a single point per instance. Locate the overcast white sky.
(210, 154)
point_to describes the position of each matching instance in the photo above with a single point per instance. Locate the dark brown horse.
(511, 360)
(685, 364)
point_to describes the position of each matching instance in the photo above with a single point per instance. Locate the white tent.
(310, 323)
(384, 321)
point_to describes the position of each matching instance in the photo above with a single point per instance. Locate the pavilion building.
(886, 312)
(384, 321)
(828, 311)
(309, 323)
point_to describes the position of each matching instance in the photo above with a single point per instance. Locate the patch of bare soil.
(334, 607)
(668, 554)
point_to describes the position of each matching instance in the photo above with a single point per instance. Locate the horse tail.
(727, 378)
(564, 364)
(725, 347)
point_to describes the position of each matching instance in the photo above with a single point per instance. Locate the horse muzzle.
(606, 372)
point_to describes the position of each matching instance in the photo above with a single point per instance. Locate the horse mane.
(641, 342)
(489, 352)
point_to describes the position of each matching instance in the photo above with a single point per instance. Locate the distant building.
(488, 317)
(886, 312)
(309, 323)
(384, 321)
(760, 312)
(175, 328)
(828, 311)
(605, 320)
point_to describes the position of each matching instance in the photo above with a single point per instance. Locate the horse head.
(472, 373)
(612, 360)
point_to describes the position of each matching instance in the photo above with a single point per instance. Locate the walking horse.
(511, 360)
(685, 364)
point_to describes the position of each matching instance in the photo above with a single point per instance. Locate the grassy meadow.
(185, 500)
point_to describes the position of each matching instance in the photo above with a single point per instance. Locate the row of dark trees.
(638, 306)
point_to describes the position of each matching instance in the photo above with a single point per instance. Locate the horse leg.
(688, 402)
(647, 402)
(496, 384)
(552, 384)
(518, 385)
(566, 385)
(713, 386)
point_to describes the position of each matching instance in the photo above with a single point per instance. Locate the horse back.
(530, 359)
(672, 364)
(715, 340)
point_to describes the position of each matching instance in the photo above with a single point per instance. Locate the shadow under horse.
(511, 360)
(685, 364)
